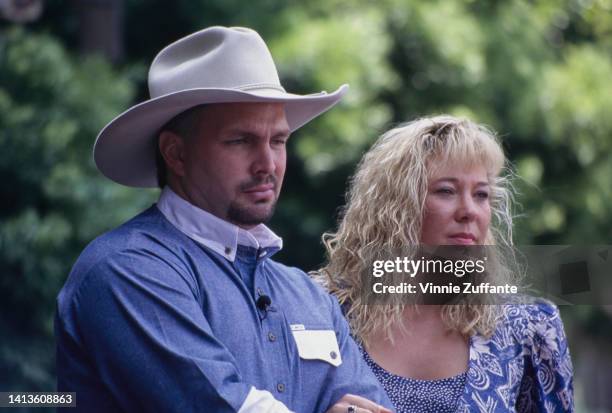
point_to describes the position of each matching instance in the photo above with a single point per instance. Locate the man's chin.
(250, 216)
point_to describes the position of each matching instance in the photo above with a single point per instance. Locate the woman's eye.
(444, 191)
(482, 195)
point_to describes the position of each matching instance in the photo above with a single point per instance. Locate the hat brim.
(125, 149)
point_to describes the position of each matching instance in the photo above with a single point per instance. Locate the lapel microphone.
(263, 302)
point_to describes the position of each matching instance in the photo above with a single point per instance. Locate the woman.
(439, 181)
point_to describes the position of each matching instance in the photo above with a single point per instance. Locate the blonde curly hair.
(385, 206)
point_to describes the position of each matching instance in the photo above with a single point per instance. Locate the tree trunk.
(101, 27)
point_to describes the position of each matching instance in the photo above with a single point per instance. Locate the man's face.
(233, 165)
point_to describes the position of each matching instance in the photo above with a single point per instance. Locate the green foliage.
(321, 54)
(54, 201)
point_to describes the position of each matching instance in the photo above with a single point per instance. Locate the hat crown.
(216, 57)
(214, 65)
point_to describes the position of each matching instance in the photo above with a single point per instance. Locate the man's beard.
(242, 215)
(250, 215)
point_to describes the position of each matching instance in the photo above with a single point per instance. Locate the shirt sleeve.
(262, 401)
(142, 325)
(353, 375)
(550, 383)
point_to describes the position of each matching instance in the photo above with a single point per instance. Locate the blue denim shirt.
(150, 320)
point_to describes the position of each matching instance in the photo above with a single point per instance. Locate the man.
(181, 308)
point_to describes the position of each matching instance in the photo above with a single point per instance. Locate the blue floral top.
(523, 367)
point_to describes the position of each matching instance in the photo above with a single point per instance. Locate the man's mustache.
(270, 179)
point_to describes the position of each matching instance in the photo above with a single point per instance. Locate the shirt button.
(280, 387)
(228, 250)
(333, 355)
(271, 337)
(263, 253)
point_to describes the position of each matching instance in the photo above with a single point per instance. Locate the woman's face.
(457, 207)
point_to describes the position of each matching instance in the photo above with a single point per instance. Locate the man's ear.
(172, 149)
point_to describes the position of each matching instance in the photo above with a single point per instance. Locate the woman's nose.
(466, 208)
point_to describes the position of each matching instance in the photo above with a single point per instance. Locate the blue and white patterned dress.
(411, 395)
(523, 367)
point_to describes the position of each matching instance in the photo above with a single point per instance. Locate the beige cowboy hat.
(214, 65)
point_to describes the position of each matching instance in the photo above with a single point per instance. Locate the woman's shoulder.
(530, 346)
(535, 323)
(530, 310)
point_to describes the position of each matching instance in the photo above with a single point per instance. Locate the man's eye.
(279, 141)
(236, 141)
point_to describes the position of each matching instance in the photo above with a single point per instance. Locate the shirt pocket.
(317, 345)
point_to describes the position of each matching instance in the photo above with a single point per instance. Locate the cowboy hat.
(214, 65)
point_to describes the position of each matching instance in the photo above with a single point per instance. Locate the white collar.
(203, 227)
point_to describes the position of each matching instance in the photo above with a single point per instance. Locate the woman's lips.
(463, 239)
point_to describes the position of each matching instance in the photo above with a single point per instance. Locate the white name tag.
(318, 345)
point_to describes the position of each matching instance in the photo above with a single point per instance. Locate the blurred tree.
(54, 201)
(101, 27)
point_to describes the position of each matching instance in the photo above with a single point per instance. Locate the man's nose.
(264, 162)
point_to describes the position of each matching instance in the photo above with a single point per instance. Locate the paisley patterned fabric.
(523, 367)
